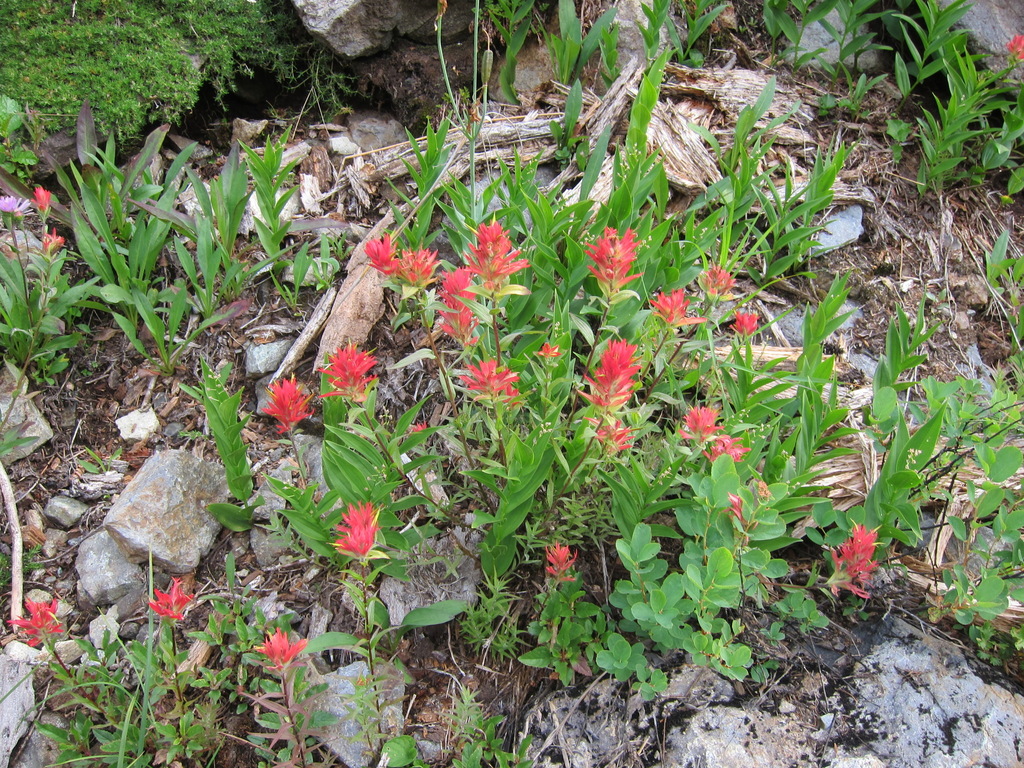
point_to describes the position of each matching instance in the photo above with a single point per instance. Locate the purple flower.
(15, 205)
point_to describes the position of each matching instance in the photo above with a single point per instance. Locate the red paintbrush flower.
(492, 381)
(52, 242)
(381, 253)
(1016, 47)
(492, 258)
(548, 350)
(358, 532)
(854, 562)
(613, 255)
(745, 323)
(43, 200)
(280, 651)
(458, 321)
(614, 436)
(41, 622)
(724, 444)
(716, 282)
(560, 561)
(346, 372)
(170, 604)
(671, 309)
(416, 268)
(288, 404)
(701, 424)
(613, 382)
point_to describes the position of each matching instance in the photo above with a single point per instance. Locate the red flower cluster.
(613, 382)
(716, 282)
(560, 560)
(724, 444)
(41, 622)
(613, 256)
(492, 258)
(615, 436)
(414, 268)
(458, 321)
(280, 651)
(736, 507)
(671, 309)
(1016, 47)
(346, 371)
(52, 242)
(288, 404)
(493, 382)
(745, 323)
(358, 531)
(549, 351)
(700, 422)
(43, 200)
(170, 604)
(854, 562)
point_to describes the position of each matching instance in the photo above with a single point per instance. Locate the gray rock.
(245, 131)
(40, 751)
(733, 736)
(19, 700)
(261, 359)
(22, 415)
(343, 146)
(437, 571)
(64, 511)
(990, 25)
(105, 573)
(268, 546)
(844, 227)
(355, 28)
(311, 449)
(104, 628)
(816, 37)
(345, 738)
(372, 130)
(918, 704)
(138, 425)
(162, 511)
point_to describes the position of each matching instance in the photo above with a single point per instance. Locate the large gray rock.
(345, 738)
(163, 511)
(355, 28)
(64, 511)
(104, 572)
(19, 700)
(990, 25)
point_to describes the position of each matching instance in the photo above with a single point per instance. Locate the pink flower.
(43, 200)
(492, 381)
(1016, 47)
(52, 242)
(745, 324)
(358, 531)
(492, 258)
(548, 350)
(854, 562)
(346, 372)
(41, 622)
(716, 282)
(458, 321)
(725, 445)
(700, 422)
(280, 651)
(613, 382)
(288, 404)
(170, 604)
(615, 436)
(736, 507)
(613, 255)
(381, 253)
(671, 309)
(560, 560)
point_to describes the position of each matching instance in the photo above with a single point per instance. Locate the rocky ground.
(883, 689)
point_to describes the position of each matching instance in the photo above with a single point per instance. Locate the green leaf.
(399, 751)
(432, 615)
(232, 516)
(330, 641)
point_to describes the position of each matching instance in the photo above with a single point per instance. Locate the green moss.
(135, 60)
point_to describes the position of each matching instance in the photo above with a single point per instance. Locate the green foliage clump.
(137, 61)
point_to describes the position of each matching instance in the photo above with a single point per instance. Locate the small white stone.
(138, 425)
